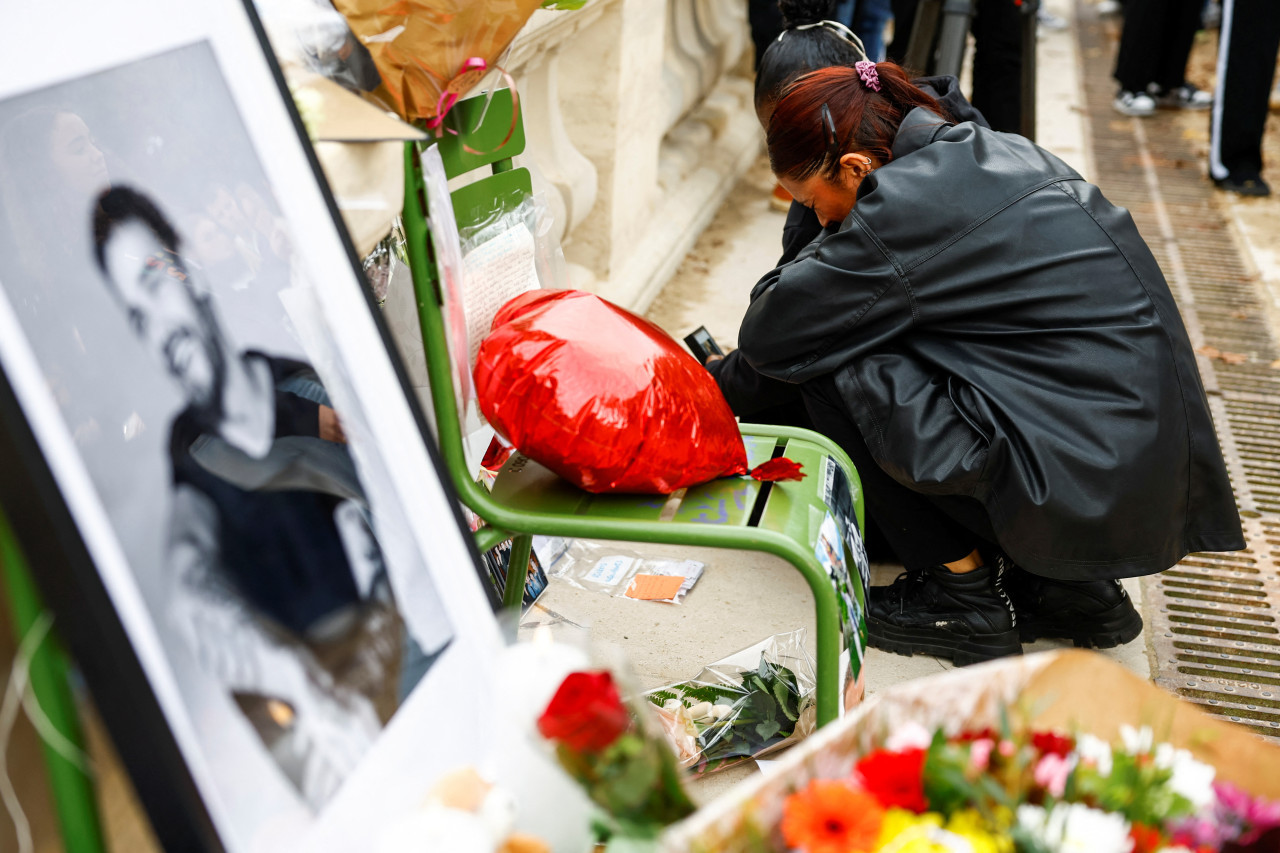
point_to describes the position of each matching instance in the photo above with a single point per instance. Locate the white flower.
(1095, 751)
(1076, 828)
(909, 735)
(1192, 779)
(1137, 741)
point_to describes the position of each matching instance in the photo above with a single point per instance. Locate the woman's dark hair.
(34, 201)
(797, 51)
(803, 141)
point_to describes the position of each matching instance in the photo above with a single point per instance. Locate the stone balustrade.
(639, 121)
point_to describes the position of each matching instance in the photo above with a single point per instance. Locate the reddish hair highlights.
(800, 141)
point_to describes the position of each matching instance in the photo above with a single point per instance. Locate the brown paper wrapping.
(420, 46)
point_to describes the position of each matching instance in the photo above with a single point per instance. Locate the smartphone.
(702, 345)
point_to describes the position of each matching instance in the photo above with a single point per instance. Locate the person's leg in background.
(765, 19)
(869, 20)
(997, 63)
(904, 18)
(842, 12)
(1151, 65)
(1247, 54)
(951, 601)
(1169, 84)
(1139, 54)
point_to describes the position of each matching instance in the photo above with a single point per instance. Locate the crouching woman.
(996, 348)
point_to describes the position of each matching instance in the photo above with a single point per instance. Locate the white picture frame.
(185, 109)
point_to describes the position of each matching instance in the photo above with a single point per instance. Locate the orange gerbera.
(831, 816)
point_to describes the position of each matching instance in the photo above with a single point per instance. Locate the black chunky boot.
(1096, 614)
(884, 601)
(964, 617)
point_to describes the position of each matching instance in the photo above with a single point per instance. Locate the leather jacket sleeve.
(840, 298)
(748, 391)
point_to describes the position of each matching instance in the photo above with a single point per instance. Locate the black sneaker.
(1096, 614)
(1251, 185)
(1184, 97)
(964, 617)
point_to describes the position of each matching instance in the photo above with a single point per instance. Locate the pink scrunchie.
(867, 71)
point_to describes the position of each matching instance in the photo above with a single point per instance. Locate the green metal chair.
(528, 499)
(72, 787)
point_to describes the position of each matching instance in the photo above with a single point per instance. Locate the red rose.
(1146, 839)
(895, 778)
(586, 714)
(1052, 742)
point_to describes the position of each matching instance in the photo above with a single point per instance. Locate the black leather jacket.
(998, 329)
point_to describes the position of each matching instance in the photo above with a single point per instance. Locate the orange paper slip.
(655, 587)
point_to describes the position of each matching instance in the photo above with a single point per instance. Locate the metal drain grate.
(1212, 620)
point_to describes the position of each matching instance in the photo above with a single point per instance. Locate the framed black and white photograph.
(198, 391)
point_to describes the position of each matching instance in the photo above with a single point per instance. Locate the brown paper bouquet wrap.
(424, 48)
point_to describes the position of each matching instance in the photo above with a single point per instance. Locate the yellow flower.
(908, 832)
(972, 827)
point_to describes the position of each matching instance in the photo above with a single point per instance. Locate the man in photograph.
(276, 581)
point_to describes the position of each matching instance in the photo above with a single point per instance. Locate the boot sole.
(1118, 625)
(961, 651)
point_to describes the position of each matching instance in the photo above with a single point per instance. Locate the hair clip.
(829, 125)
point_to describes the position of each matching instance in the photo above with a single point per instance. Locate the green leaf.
(768, 729)
(564, 5)
(788, 702)
(628, 784)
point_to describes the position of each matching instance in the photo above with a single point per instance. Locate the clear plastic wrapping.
(752, 703)
(312, 34)
(624, 573)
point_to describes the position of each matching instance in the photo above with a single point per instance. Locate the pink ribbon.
(448, 98)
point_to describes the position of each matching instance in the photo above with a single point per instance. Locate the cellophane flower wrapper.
(1136, 748)
(750, 704)
(604, 398)
(422, 48)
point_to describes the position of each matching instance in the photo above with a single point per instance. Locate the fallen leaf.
(1227, 357)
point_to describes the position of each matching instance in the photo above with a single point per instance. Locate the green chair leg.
(72, 786)
(517, 571)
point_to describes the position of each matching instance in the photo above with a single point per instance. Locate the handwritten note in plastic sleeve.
(498, 270)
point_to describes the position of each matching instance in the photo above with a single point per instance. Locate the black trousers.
(921, 530)
(1155, 43)
(1250, 42)
(924, 530)
(997, 57)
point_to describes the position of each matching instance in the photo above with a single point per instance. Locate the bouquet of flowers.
(1024, 792)
(749, 705)
(625, 769)
(1050, 752)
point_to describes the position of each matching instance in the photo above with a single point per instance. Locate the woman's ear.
(859, 163)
